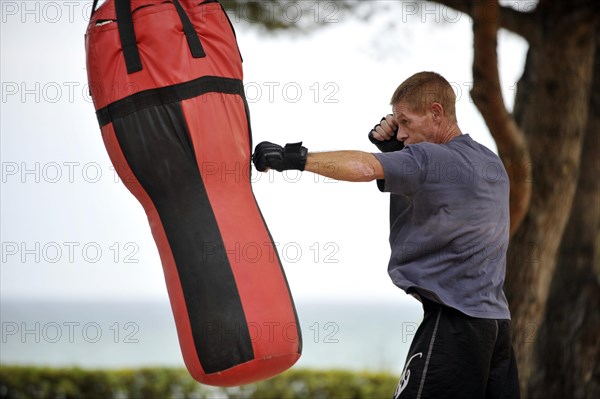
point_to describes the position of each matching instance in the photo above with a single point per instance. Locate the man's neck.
(447, 133)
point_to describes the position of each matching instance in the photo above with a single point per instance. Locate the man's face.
(414, 127)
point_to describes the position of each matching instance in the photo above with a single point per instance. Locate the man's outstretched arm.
(354, 166)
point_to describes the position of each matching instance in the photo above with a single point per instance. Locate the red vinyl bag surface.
(166, 81)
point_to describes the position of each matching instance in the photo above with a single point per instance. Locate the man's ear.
(437, 110)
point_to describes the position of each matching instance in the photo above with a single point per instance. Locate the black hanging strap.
(190, 33)
(128, 40)
(127, 35)
(94, 4)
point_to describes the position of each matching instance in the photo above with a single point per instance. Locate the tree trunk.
(551, 108)
(567, 351)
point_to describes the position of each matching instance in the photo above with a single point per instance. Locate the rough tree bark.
(553, 113)
(567, 351)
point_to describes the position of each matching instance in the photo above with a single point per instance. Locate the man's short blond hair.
(423, 89)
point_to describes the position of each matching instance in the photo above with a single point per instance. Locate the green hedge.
(153, 383)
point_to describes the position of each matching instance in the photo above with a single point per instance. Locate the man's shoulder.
(466, 145)
(430, 150)
(460, 147)
(465, 140)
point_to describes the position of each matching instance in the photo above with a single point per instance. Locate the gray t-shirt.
(449, 223)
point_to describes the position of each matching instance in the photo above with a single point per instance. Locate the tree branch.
(521, 22)
(463, 6)
(487, 95)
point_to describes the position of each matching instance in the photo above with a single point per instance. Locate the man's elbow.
(366, 172)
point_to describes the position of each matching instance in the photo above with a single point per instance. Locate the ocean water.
(355, 336)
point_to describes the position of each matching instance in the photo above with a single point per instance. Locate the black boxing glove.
(390, 145)
(273, 156)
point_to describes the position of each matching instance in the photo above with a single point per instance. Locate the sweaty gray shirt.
(449, 223)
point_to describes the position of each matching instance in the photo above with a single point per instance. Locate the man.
(449, 222)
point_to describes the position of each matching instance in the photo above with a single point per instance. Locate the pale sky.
(70, 231)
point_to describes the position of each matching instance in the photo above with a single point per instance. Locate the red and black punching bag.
(166, 80)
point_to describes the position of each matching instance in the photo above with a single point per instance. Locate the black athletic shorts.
(456, 356)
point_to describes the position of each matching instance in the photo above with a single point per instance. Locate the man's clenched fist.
(383, 135)
(273, 156)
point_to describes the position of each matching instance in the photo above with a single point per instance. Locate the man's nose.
(401, 134)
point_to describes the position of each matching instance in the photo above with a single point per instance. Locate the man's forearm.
(355, 166)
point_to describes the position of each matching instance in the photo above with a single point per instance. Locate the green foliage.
(327, 385)
(18, 382)
(32, 382)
